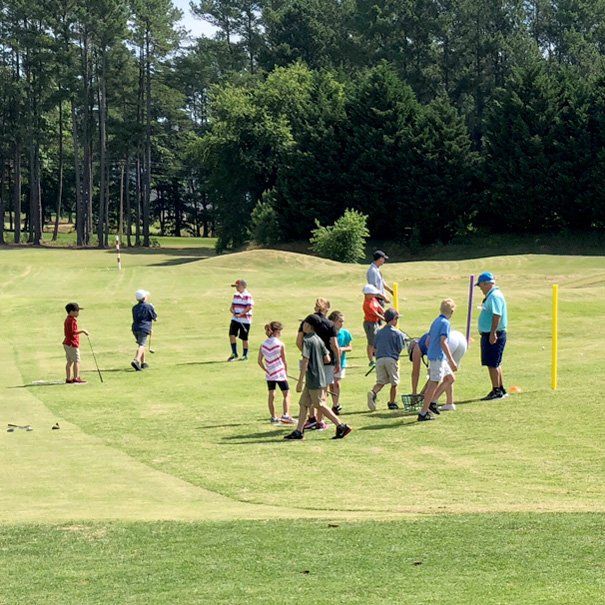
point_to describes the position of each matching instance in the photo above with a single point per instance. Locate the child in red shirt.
(71, 344)
(373, 316)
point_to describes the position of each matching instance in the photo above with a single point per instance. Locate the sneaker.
(502, 392)
(274, 420)
(371, 401)
(342, 430)
(294, 435)
(232, 358)
(311, 424)
(144, 366)
(287, 420)
(321, 426)
(448, 407)
(244, 358)
(425, 417)
(337, 409)
(393, 406)
(493, 394)
(79, 380)
(68, 381)
(136, 365)
(434, 408)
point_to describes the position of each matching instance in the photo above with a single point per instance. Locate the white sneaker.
(448, 407)
(371, 401)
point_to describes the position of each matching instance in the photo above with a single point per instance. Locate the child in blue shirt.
(344, 344)
(441, 363)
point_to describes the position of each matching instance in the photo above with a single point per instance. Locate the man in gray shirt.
(374, 277)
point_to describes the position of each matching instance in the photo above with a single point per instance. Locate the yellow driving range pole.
(396, 297)
(555, 336)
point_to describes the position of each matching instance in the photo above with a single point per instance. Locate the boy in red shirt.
(373, 316)
(71, 344)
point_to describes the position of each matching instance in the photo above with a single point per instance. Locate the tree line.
(434, 118)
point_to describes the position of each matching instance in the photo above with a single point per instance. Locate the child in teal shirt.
(344, 344)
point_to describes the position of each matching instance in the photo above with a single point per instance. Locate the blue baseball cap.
(485, 277)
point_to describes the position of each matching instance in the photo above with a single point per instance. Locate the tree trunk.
(138, 204)
(147, 184)
(101, 224)
(60, 186)
(80, 211)
(2, 172)
(127, 200)
(17, 192)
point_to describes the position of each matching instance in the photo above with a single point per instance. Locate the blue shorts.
(491, 354)
(141, 338)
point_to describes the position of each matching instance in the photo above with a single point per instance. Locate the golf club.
(150, 349)
(12, 427)
(94, 357)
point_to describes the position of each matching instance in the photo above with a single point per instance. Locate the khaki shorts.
(312, 398)
(439, 369)
(72, 354)
(387, 371)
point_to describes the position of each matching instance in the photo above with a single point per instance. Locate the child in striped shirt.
(272, 360)
(241, 319)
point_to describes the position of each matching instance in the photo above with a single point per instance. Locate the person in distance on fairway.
(344, 344)
(241, 319)
(272, 360)
(326, 330)
(389, 343)
(71, 344)
(493, 321)
(312, 384)
(143, 314)
(374, 276)
(441, 363)
(373, 316)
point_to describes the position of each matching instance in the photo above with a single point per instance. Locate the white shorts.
(340, 375)
(439, 369)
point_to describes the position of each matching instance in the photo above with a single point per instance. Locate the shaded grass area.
(518, 558)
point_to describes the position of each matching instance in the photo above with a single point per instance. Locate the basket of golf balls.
(412, 403)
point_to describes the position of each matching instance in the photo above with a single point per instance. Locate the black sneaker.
(493, 394)
(311, 424)
(294, 435)
(425, 417)
(434, 408)
(144, 366)
(337, 409)
(342, 430)
(502, 392)
(136, 365)
(392, 406)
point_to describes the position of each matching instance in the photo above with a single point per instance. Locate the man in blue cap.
(493, 321)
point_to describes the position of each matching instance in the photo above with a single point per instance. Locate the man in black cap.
(374, 277)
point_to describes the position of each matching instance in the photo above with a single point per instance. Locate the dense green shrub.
(264, 227)
(345, 240)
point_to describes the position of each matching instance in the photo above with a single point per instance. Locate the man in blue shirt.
(388, 344)
(441, 362)
(493, 321)
(374, 277)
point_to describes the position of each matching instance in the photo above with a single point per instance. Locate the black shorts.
(282, 384)
(491, 354)
(239, 330)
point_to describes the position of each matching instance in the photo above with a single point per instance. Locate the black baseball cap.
(390, 315)
(69, 307)
(380, 254)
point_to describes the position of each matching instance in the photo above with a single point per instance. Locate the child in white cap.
(143, 314)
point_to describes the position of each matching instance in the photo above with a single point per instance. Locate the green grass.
(189, 440)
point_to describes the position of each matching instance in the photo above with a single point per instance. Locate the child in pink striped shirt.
(272, 360)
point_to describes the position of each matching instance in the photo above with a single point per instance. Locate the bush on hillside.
(264, 227)
(343, 241)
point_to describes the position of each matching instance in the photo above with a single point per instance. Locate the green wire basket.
(412, 403)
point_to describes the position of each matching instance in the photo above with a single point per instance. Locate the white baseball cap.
(370, 289)
(141, 294)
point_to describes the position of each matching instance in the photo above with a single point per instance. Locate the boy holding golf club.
(71, 344)
(143, 314)
(272, 360)
(312, 383)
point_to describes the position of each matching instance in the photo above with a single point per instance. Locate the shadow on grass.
(40, 383)
(264, 434)
(221, 426)
(201, 363)
(393, 425)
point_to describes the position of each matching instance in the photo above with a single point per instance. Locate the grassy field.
(171, 486)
